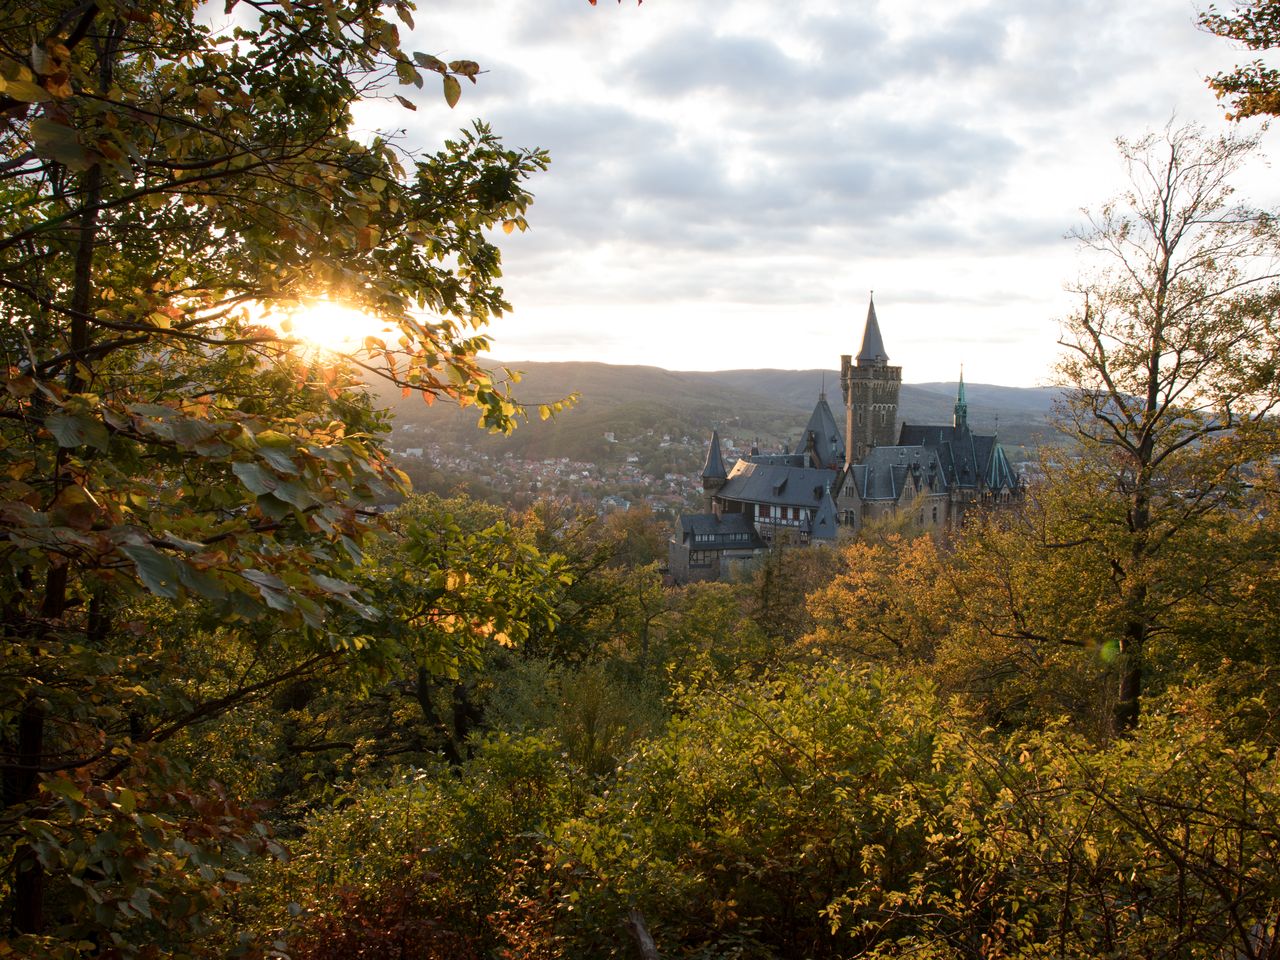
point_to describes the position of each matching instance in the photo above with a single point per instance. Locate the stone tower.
(870, 394)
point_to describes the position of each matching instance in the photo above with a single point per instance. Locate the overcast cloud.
(731, 177)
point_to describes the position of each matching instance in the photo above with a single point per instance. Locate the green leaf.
(64, 788)
(279, 459)
(255, 478)
(263, 579)
(276, 600)
(200, 581)
(452, 91)
(189, 546)
(141, 901)
(294, 493)
(157, 571)
(77, 430)
(276, 448)
(331, 585)
(191, 432)
(273, 508)
(59, 142)
(25, 91)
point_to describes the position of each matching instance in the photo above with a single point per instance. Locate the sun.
(330, 326)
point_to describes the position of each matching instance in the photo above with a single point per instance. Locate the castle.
(839, 479)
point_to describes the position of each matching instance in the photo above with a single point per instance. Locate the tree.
(1254, 88)
(888, 600)
(1172, 360)
(162, 183)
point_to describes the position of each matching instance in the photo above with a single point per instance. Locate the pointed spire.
(872, 343)
(714, 468)
(962, 407)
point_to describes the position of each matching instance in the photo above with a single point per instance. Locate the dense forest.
(246, 711)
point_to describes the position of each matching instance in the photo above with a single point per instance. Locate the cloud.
(743, 69)
(766, 160)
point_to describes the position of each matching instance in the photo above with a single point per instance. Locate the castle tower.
(871, 389)
(714, 476)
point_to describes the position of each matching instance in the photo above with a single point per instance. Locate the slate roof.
(714, 467)
(779, 485)
(729, 531)
(872, 343)
(823, 526)
(883, 473)
(777, 459)
(826, 434)
(969, 460)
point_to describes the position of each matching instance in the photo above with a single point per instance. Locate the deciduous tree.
(1172, 359)
(1254, 88)
(167, 172)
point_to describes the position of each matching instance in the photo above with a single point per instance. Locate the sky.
(731, 178)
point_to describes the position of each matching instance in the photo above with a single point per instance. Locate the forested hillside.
(773, 405)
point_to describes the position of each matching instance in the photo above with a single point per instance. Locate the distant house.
(841, 478)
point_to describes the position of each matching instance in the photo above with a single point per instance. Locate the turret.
(714, 476)
(961, 419)
(872, 353)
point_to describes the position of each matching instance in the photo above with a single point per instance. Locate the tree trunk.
(640, 933)
(29, 878)
(1129, 702)
(423, 693)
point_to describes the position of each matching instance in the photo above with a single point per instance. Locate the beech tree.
(1252, 89)
(168, 171)
(1172, 359)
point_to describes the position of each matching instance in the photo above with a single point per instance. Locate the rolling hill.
(635, 402)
